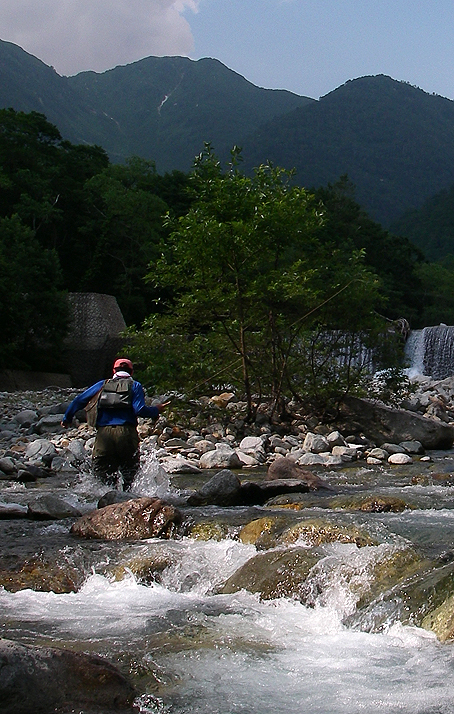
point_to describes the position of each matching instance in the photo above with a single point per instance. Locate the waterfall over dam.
(430, 351)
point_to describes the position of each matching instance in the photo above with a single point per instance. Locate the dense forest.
(183, 252)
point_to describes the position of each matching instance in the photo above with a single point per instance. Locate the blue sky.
(307, 46)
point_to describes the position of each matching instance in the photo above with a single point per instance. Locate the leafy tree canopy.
(253, 278)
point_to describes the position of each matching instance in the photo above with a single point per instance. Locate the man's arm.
(80, 402)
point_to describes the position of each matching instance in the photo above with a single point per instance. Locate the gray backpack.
(116, 394)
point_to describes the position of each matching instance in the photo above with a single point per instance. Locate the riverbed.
(190, 648)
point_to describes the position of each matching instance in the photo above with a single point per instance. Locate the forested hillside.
(70, 220)
(394, 141)
(162, 109)
(431, 227)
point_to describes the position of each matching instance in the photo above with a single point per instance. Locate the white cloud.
(76, 35)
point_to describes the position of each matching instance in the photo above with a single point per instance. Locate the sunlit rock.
(262, 532)
(441, 620)
(134, 519)
(400, 459)
(223, 457)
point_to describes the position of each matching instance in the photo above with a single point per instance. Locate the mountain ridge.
(394, 141)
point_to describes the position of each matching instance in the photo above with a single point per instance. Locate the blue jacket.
(108, 417)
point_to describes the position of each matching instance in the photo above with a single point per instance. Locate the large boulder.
(135, 519)
(44, 679)
(385, 424)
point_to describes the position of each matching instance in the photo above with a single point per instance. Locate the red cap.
(126, 362)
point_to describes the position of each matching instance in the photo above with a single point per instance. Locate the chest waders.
(116, 446)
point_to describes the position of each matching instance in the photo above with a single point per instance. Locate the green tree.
(250, 278)
(394, 259)
(123, 233)
(34, 314)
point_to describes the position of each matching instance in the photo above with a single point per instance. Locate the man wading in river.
(113, 407)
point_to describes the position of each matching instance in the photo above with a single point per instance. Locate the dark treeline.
(70, 220)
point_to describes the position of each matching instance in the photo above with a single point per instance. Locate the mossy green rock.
(273, 574)
(317, 531)
(262, 532)
(208, 531)
(370, 504)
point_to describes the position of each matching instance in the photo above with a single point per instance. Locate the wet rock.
(41, 450)
(253, 493)
(441, 620)
(13, 510)
(146, 566)
(115, 497)
(223, 489)
(419, 599)
(371, 504)
(273, 574)
(262, 532)
(316, 531)
(50, 507)
(42, 573)
(286, 468)
(43, 679)
(134, 519)
(208, 531)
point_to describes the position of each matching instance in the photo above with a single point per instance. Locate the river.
(189, 648)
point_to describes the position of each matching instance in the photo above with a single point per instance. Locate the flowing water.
(191, 649)
(430, 351)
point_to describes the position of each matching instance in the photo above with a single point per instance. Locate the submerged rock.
(41, 573)
(317, 530)
(370, 504)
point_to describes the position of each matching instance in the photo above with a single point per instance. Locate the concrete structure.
(94, 338)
